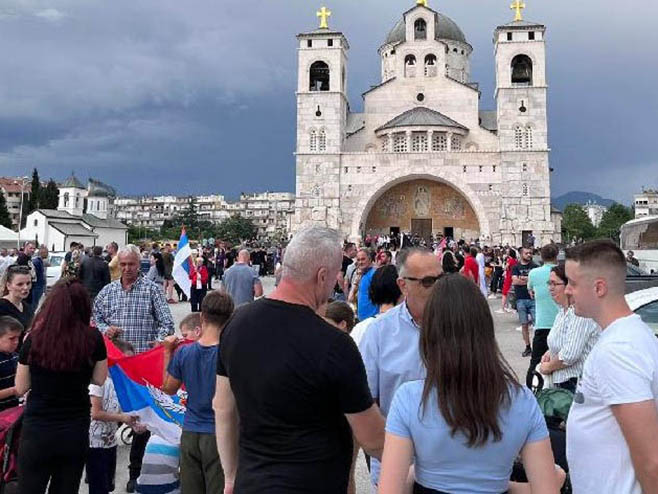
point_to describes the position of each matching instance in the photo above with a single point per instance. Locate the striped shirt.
(141, 312)
(8, 364)
(571, 339)
(159, 474)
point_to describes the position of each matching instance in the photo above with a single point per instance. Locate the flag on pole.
(137, 381)
(181, 271)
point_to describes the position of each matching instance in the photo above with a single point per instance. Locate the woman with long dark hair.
(61, 356)
(156, 272)
(469, 419)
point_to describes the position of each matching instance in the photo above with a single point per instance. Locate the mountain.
(579, 197)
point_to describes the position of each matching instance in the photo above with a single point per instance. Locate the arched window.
(522, 70)
(456, 143)
(420, 29)
(77, 200)
(385, 143)
(528, 137)
(410, 66)
(319, 77)
(430, 65)
(518, 137)
(66, 199)
(313, 142)
(322, 141)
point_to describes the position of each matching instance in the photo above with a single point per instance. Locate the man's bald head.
(244, 256)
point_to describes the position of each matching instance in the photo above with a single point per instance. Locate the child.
(194, 366)
(341, 315)
(105, 415)
(190, 327)
(10, 333)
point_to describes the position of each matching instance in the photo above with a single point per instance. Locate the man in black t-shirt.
(341, 289)
(525, 305)
(292, 389)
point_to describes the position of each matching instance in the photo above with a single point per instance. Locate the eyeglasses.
(552, 284)
(427, 281)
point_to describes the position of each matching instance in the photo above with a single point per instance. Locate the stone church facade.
(423, 157)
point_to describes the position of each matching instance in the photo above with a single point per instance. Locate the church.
(423, 157)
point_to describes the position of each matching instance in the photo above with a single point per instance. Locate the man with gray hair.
(389, 346)
(135, 309)
(241, 281)
(291, 388)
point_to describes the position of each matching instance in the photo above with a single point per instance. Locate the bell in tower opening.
(522, 70)
(319, 77)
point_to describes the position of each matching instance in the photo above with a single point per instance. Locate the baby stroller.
(10, 425)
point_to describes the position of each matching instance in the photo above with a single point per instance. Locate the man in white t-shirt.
(612, 431)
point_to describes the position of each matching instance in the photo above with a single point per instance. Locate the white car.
(645, 304)
(54, 270)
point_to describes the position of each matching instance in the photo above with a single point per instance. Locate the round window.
(420, 97)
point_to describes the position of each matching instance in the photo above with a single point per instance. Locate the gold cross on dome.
(323, 14)
(421, 2)
(518, 5)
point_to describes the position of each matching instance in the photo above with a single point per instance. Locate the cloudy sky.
(198, 97)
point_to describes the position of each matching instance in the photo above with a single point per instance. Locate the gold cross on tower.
(323, 14)
(421, 2)
(518, 5)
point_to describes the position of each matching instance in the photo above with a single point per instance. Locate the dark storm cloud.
(186, 97)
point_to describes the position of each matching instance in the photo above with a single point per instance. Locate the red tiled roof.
(13, 184)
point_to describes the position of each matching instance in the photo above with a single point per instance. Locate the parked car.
(638, 279)
(645, 304)
(54, 270)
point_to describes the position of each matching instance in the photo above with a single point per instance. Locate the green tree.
(49, 197)
(5, 219)
(576, 225)
(612, 219)
(236, 229)
(35, 192)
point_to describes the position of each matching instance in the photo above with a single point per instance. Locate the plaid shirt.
(141, 312)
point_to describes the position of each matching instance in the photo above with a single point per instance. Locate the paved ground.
(508, 338)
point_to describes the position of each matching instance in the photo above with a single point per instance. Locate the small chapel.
(423, 157)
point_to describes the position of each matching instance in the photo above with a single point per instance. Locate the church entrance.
(425, 207)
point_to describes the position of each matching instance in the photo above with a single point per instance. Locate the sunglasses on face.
(426, 282)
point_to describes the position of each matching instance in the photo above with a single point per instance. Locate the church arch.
(379, 188)
(319, 76)
(410, 66)
(420, 30)
(430, 65)
(522, 70)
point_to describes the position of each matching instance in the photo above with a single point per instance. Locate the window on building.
(313, 144)
(480, 168)
(309, 43)
(494, 169)
(430, 65)
(386, 144)
(531, 35)
(490, 187)
(524, 190)
(374, 169)
(36, 222)
(509, 36)
(439, 142)
(528, 137)
(522, 70)
(456, 143)
(319, 77)
(322, 141)
(518, 137)
(400, 143)
(420, 29)
(419, 142)
(330, 42)
(525, 167)
(410, 66)
(464, 169)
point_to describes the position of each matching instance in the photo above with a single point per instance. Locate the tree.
(5, 219)
(35, 193)
(236, 229)
(49, 198)
(612, 219)
(576, 225)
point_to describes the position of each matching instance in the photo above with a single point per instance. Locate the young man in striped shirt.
(10, 333)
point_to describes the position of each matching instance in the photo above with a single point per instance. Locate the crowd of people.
(385, 349)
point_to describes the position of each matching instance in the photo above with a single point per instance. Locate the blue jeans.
(526, 309)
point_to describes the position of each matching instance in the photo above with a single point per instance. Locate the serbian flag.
(181, 271)
(137, 381)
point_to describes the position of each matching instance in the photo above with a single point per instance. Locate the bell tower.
(521, 100)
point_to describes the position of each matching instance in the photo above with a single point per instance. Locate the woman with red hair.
(60, 357)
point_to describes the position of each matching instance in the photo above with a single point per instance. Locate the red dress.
(471, 268)
(507, 284)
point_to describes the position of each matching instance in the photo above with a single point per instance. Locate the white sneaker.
(493, 295)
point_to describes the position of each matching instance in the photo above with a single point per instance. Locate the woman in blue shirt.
(468, 420)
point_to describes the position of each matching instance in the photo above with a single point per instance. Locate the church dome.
(445, 28)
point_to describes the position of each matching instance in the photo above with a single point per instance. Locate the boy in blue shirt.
(10, 333)
(194, 366)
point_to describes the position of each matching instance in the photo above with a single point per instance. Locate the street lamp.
(20, 212)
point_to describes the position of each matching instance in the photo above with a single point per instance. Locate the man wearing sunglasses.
(390, 345)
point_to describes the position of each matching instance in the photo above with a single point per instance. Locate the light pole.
(20, 212)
